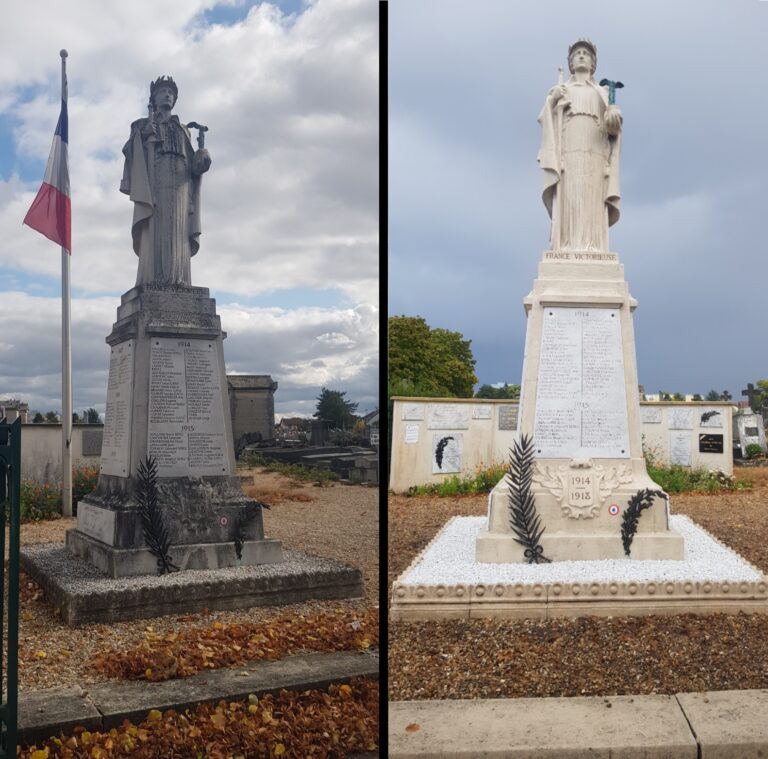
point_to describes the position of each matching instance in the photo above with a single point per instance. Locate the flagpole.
(66, 355)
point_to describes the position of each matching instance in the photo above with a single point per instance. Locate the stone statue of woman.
(580, 145)
(162, 176)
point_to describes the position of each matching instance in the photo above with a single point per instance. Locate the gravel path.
(338, 522)
(592, 656)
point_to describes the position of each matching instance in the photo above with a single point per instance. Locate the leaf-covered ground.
(181, 654)
(590, 656)
(335, 722)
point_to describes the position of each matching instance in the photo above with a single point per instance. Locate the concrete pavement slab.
(619, 727)
(729, 724)
(51, 711)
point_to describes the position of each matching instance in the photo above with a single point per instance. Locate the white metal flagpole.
(66, 356)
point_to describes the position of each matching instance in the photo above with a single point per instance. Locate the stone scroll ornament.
(638, 503)
(155, 531)
(523, 519)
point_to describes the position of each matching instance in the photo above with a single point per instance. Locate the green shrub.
(39, 502)
(296, 472)
(679, 479)
(482, 481)
(754, 450)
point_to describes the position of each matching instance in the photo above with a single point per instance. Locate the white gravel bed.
(450, 560)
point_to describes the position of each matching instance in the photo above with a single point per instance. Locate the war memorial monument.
(577, 526)
(168, 498)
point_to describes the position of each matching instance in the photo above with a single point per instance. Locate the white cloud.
(291, 200)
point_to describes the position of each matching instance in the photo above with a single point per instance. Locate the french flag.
(50, 212)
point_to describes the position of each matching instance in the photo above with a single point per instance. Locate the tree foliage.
(51, 417)
(506, 391)
(38, 418)
(713, 395)
(333, 407)
(425, 361)
(91, 416)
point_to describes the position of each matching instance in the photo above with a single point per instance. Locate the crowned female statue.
(580, 145)
(162, 176)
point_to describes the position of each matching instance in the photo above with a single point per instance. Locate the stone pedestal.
(167, 398)
(580, 403)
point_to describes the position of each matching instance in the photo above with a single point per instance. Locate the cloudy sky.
(289, 250)
(466, 223)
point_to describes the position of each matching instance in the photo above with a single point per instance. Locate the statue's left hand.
(613, 120)
(202, 161)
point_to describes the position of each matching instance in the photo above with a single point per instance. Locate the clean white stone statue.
(580, 144)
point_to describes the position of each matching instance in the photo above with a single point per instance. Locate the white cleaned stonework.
(446, 582)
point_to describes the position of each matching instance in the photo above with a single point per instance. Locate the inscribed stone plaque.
(650, 415)
(446, 453)
(751, 432)
(91, 442)
(711, 417)
(481, 412)
(97, 522)
(116, 443)
(680, 418)
(508, 416)
(581, 406)
(449, 416)
(710, 443)
(680, 448)
(186, 417)
(411, 433)
(413, 412)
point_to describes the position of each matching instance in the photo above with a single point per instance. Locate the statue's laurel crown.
(164, 80)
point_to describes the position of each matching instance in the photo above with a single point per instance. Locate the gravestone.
(579, 398)
(748, 429)
(167, 393)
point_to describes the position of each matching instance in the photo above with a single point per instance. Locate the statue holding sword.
(579, 153)
(162, 176)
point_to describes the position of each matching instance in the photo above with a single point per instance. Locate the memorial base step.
(132, 562)
(500, 548)
(83, 595)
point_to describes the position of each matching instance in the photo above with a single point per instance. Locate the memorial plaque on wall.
(481, 412)
(508, 416)
(710, 443)
(711, 417)
(680, 418)
(680, 448)
(449, 416)
(650, 415)
(116, 443)
(446, 453)
(92, 440)
(413, 412)
(186, 417)
(581, 406)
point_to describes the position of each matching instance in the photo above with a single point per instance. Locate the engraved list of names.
(581, 408)
(186, 419)
(116, 444)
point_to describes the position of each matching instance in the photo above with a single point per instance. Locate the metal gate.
(10, 482)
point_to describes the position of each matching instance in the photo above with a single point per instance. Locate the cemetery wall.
(471, 433)
(41, 450)
(482, 432)
(698, 435)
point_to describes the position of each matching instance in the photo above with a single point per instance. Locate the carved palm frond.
(638, 503)
(525, 522)
(247, 514)
(155, 532)
(439, 450)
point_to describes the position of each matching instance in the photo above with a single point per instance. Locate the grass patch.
(678, 479)
(482, 481)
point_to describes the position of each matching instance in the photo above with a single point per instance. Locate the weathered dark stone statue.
(162, 176)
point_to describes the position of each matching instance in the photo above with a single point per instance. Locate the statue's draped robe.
(581, 168)
(165, 235)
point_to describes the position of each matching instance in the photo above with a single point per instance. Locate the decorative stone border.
(577, 599)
